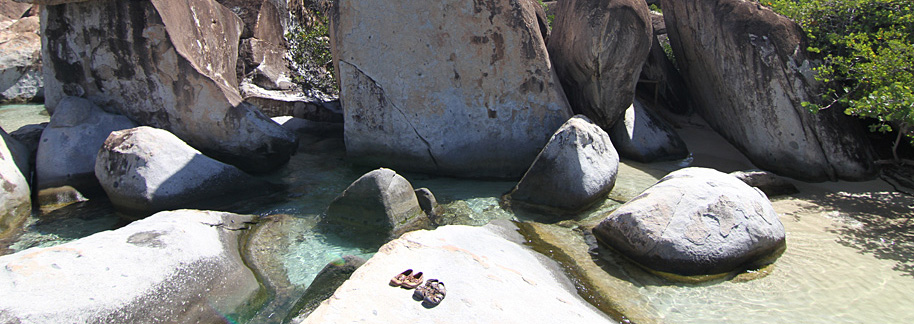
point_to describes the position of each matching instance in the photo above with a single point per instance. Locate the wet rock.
(68, 146)
(695, 221)
(644, 137)
(380, 201)
(490, 277)
(145, 169)
(20, 65)
(429, 204)
(598, 48)
(577, 167)
(51, 199)
(168, 69)
(325, 283)
(769, 183)
(15, 196)
(176, 266)
(750, 83)
(471, 94)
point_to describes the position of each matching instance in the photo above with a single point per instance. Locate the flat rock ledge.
(489, 275)
(173, 267)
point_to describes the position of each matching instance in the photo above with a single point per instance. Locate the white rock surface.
(178, 266)
(15, 196)
(489, 275)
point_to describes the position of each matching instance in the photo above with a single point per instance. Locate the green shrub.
(309, 51)
(867, 48)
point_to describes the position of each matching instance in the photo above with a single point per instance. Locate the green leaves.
(868, 56)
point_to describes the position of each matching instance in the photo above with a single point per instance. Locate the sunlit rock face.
(15, 196)
(164, 64)
(464, 89)
(173, 267)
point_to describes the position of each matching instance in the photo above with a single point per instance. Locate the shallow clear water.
(848, 258)
(14, 116)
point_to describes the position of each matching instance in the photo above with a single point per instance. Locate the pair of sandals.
(431, 294)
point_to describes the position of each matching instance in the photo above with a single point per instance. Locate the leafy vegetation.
(309, 51)
(867, 48)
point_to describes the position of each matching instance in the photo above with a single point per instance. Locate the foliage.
(309, 51)
(549, 17)
(867, 47)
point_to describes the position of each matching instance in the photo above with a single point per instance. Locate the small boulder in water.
(769, 183)
(577, 167)
(642, 136)
(146, 169)
(380, 201)
(695, 221)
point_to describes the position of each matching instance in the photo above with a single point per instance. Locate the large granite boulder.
(749, 83)
(380, 201)
(598, 48)
(20, 64)
(11, 10)
(644, 137)
(15, 196)
(171, 66)
(448, 87)
(250, 12)
(68, 146)
(577, 168)
(490, 276)
(695, 221)
(173, 267)
(145, 169)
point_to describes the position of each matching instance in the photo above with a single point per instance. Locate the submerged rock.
(695, 221)
(380, 201)
(325, 283)
(489, 275)
(644, 137)
(15, 196)
(176, 266)
(20, 64)
(69, 145)
(598, 48)
(750, 83)
(172, 67)
(468, 90)
(577, 167)
(145, 169)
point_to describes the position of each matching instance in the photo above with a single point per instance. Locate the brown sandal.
(413, 281)
(423, 291)
(434, 293)
(400, 278)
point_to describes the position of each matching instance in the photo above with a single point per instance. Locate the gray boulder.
(749, 85)
(695, 221)
(145, 169)
(380, 201)
(173, 267)
(429, 204)
(466, 90)
(20, 64)
(15, 196)
(68, 146)
(577, 167)
(489, 274)
(167, 70)
(598, 48)
(769, 183)
(644, 137)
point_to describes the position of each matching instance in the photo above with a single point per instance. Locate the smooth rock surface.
(146, 169)
(644, 137)
(490, 276)
(466, 90)
(598, 48)
(167, 70)
(68, 146)
(695, 221)
(380, 201)
(15, 196)
(20, 64)
(749, 84)
(577, 167)
(173, 267)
